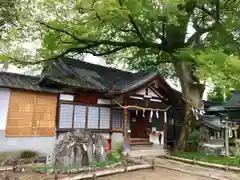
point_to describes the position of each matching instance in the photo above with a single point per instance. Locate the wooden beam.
(99, 114)
(146, 90)
(125, 124)
(121, 119)
(73, 114)
(110, 118)
(57, 114)
(86, 120)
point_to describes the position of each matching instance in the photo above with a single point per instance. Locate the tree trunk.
(192, 92)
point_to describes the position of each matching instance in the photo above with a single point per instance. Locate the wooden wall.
(31, 114)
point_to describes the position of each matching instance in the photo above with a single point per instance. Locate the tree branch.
(145, 44)
(212, 14)
(70, 50)
(105, 53)
(59, 30)
(136, 27)
(134, 24)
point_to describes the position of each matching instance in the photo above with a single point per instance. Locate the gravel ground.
(157, 174)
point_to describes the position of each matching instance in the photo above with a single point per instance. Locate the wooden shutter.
(44, 114)
(31, 114)
(20, 114)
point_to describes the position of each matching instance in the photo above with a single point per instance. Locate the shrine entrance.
(139, 124)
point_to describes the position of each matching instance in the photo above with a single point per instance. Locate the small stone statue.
(99, 144)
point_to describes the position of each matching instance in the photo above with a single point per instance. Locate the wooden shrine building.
(72, 94)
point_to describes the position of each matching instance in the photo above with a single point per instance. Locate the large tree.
(190, 39)
(8, 16)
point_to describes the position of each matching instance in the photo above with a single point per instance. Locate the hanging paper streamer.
(144, 113)
(230, 134)
(157, 115)
(151, 115)
(136, 112)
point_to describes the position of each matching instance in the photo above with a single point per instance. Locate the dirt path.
(198, 170)
(157, 174)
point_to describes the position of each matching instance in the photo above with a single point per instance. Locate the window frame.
(86, 114)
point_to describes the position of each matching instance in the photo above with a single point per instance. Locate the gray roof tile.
(95, 77)
(20, 81)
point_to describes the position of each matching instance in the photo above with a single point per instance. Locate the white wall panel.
(151, 93)
(80, 116)
(141, 91)
(66, 116)
(4, 102)
(104, 118)
(92, 117)
(104, 101)
(66, 97)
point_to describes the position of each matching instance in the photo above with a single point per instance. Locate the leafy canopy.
(203, 34)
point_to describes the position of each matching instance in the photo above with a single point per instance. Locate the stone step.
(141, 143)
(148, 153)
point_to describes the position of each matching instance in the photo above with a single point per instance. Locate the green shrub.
(193, 140)
(231, 161)
(12, 156)
(114, 156)
(120, 148)
(28, 154)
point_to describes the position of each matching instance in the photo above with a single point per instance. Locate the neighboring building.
(72, 94)
(214, 122)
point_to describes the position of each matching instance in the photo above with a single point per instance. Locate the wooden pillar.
(125, 131)
(165, 130)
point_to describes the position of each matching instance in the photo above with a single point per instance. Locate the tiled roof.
(234, 101)
(94, 77)
(79, 74)
(20, 81)
(212, 121)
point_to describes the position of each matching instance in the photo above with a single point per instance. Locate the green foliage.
(28, 154)
(194, 137)
(41, 168)
(231, 161)
(114, 156)
(193, 140)
(219, 66)
(217, 94)
(8, 13)
(75, 23)
(11, 156)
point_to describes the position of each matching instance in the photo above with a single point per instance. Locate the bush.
(120, 148)
(114, 156)
(28, 154)
(10, 157)
(193, 140)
